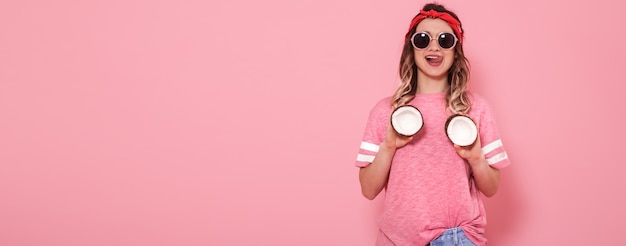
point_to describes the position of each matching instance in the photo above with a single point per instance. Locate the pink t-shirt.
(430, 188)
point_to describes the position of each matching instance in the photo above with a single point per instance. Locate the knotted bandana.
(454, 24)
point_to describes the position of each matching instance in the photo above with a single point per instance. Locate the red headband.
(455, 24)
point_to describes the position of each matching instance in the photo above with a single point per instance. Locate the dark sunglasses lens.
(421, 40)
(446, 40)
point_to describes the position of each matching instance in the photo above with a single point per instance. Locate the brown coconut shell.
(403, 108)
(450, 120)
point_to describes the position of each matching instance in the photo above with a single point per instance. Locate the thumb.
(461, 151)
(457, 147)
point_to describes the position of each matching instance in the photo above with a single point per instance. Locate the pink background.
(238, 122)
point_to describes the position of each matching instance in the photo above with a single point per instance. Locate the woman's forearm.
(486, 177)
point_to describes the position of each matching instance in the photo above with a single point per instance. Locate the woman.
(432, 185)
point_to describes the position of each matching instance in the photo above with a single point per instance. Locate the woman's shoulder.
(382, 106)
(477, 100)
(384, 102)
(480, 105)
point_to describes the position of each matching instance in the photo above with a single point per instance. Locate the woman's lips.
(434, 60)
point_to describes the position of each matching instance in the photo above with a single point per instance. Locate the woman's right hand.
(394, 140)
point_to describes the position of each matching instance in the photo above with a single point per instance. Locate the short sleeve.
(492, 144)
(374, 133)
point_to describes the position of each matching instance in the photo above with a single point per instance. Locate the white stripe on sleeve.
(365, 158)
(497, 158)
(492, 146)
(370, 147)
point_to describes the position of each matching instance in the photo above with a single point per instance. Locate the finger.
(463, 152)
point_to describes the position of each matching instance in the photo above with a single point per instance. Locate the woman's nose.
(433, 45)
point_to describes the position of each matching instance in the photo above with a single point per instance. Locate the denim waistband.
(452, 236)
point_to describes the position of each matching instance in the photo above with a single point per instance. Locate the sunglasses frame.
(456, 40)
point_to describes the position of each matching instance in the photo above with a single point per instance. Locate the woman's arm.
(374, 177)
(486, 177)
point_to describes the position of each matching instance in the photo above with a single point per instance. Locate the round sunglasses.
(421, 40)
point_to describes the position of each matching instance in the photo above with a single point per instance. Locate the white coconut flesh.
(406, 120)
(462, 131)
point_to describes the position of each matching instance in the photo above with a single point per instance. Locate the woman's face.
(434, 61)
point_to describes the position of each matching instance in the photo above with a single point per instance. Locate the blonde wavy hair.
(458, 75)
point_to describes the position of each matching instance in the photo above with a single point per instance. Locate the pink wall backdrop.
(237, 122)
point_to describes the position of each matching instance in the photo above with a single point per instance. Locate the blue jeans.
(452, 237)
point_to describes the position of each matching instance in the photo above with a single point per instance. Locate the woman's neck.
(427, 84)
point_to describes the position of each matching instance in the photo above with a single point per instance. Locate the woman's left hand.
(487, 178)
(472, 153)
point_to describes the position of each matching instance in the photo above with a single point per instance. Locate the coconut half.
(407, 120)
(461, 130)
